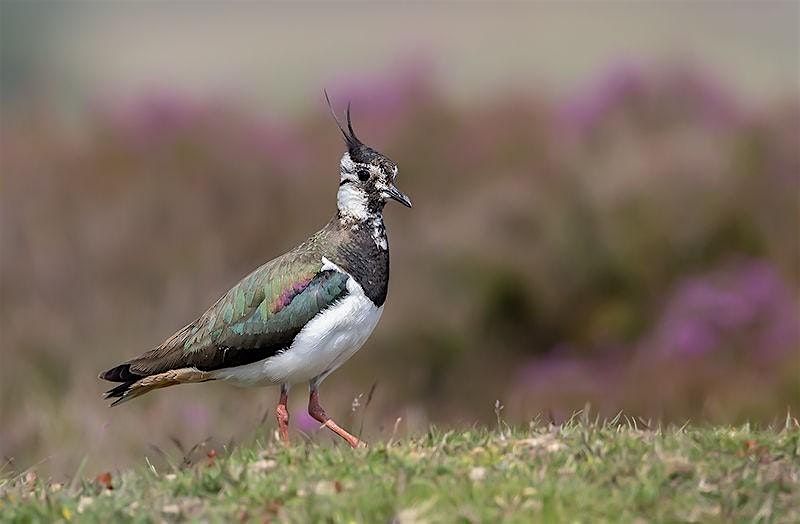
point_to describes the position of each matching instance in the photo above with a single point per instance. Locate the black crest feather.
(359, 152)
(350, 138)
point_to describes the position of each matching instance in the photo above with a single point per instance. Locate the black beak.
(396, 194)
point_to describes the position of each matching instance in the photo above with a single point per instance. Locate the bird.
(298, 317)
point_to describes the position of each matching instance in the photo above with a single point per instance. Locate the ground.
(581, 471)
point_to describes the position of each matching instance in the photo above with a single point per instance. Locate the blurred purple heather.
(629, 91)
(747, 307)
(648, 263)
(386, 97)
(388, 105)
(585, 110)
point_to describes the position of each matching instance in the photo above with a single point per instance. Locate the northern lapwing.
(298, 317)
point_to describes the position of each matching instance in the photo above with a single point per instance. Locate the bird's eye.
(363, 175)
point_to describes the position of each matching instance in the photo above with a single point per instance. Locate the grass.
(580, 471)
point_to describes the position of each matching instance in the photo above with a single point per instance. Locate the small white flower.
(263, 465)
(325, 487)
(84, 503)
(477, 474)
(171, 509)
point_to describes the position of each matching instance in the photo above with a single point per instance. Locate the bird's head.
(367, 177)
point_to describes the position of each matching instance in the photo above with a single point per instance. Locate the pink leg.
(282, 414)
(318, 412)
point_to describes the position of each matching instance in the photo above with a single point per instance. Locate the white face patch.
(353, 201)
(352, 198)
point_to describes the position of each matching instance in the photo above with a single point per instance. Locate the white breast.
(324, 344)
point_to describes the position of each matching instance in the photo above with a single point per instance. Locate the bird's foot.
(354, 441)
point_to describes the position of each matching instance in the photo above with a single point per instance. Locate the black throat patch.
(362, 257)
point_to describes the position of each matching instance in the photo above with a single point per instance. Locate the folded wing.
(256, 319)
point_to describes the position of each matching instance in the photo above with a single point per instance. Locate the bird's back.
(241, 326)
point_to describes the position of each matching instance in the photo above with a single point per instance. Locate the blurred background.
(606, 209)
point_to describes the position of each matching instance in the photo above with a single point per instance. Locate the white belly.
(324, 344)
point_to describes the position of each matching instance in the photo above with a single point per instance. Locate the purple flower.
(585, 110)
(306, 423)
(747, 305)
(692, 338)
(277, 143)
(388, 97)
(701, 95)
(157, 116)
(389, 91)
(674, 93)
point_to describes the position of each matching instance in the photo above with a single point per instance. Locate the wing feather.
(257, 318)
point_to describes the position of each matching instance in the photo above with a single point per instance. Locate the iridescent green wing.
(257, 318)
